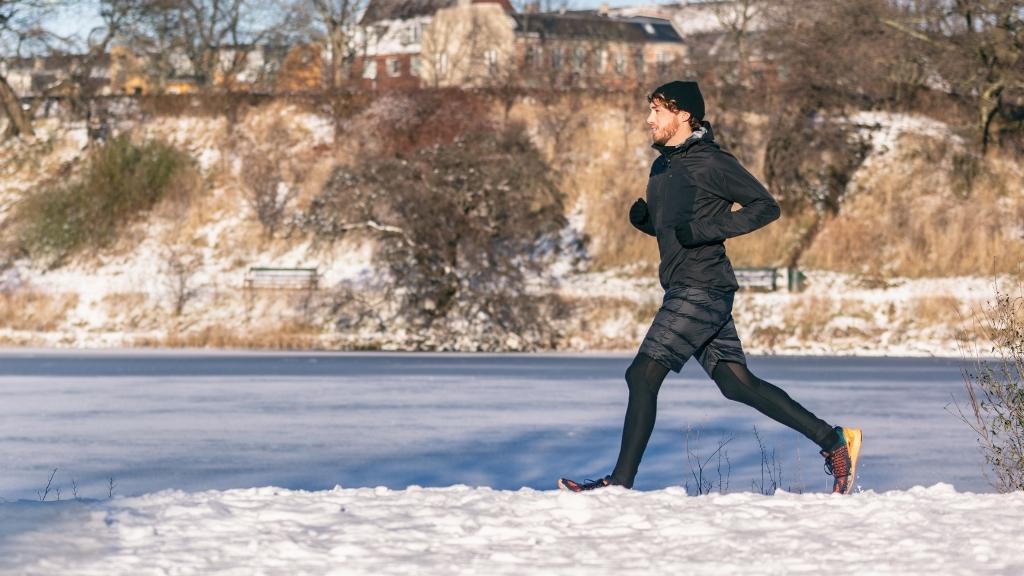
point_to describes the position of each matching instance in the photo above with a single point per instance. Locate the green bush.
(120, 181)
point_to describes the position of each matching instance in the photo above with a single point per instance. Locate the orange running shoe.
(841, 461)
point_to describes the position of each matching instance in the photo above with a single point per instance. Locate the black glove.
(638, 214)
(684, 234)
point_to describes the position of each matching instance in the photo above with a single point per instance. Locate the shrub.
(120, 181)
(458, 224)
(270, 173)
(994, 381)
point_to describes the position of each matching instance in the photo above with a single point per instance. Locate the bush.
(458, 224)
(995, 389)
(120, 181)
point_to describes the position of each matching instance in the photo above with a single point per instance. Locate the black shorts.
(694, 322)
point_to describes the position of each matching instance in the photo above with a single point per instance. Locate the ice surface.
(311, 421)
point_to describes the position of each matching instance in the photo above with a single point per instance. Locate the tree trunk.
(19, 123)
(989, 105)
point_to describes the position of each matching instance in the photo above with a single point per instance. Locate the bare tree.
(216, 37)
(181, 264)
(338, 20)
(338, 23)
(739, 20)
(21, 33)
(271, 176)
(976, 46)
(116, 17)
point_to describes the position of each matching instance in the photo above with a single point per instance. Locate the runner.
(692, 186)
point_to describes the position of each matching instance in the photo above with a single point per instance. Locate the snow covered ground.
(464, 530)
(444, 464)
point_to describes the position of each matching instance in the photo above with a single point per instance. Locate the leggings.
(644, 377)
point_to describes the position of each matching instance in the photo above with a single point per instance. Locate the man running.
(692, 187)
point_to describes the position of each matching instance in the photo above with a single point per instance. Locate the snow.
(465, 530)
(444, 464)
(884, 128)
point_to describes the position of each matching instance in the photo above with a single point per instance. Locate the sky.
(81, 16)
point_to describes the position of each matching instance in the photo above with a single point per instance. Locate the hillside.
(914, 250)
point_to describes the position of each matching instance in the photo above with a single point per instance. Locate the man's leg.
(723, 360)
(737, 383)
(644, 377)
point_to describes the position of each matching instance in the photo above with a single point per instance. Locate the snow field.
(463, 530)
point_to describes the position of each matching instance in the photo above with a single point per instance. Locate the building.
(434, 43)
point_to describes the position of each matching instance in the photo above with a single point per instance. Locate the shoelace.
(589, 484)
(835, 464)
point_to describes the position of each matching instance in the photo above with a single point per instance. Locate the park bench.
(768, 279)
(282, 278)
(756, 279)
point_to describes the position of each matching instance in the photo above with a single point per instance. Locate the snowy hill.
(463, 530)
(178, 281)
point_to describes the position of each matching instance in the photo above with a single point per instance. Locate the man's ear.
(687, 116)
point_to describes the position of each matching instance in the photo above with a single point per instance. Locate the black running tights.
(644, 377)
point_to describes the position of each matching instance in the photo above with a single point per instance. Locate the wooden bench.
(282, 278)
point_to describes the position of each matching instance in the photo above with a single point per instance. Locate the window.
(394, 67)
(491, 59)
(442, 65)
(533, 57)
(556, 58)
(370, 69)
(410, 34)
(638, 62)
(414, 66)
(579, 58)
(620, 63)
(602, 61)
(662, 60)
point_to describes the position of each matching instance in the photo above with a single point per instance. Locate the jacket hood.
(705, 134)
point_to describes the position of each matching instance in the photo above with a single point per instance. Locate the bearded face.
(663, 123)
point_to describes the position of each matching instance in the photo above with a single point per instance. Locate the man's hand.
(640, 217)
(638, 213)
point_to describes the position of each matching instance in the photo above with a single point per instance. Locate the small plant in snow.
(42, 494)
(704, 479)
(994, 380)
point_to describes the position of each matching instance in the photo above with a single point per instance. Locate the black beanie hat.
(685, 95)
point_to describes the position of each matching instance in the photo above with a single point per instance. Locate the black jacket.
(690, 194)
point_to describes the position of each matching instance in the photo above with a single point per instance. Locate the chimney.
(603, 9)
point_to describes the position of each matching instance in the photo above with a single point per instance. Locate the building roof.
(585, 24)
(378, 10)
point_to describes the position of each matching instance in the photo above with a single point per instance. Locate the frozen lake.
(195, 421)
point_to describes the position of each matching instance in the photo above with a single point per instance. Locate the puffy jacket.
(690, 194)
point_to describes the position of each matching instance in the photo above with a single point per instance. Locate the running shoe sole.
(854, 437)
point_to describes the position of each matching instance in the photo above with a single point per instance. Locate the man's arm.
(732, 183)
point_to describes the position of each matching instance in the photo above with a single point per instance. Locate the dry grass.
(36, 311)
(911, 221)
(131, 311)
(935, 310)
(809, 317)
(605, 324)
(286, 336)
